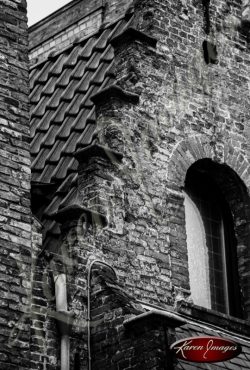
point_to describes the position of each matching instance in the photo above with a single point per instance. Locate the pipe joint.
(64, 321)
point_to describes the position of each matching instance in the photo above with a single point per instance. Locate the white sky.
(39, 9)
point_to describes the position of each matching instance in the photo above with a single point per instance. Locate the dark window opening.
(220, 241)
(41, 196)
(210, 52)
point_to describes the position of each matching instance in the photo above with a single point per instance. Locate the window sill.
(212, 317)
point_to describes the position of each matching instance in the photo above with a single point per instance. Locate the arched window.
(211, 242)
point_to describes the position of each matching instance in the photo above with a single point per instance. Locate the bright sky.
(39, 9)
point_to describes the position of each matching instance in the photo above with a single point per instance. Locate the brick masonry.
(15, 222)
(180, 96)
(187, 109)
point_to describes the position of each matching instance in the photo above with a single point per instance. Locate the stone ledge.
(132, 34)
(96, 150)
(215, 318)
(154, 318)
(74, 212)
(116, 92)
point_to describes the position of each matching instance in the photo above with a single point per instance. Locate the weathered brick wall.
(185, 99)
(15, 223)
(114, 345)
(189, 108)
(44, 338)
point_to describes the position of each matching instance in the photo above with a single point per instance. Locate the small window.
(211, 245)
(210, 52)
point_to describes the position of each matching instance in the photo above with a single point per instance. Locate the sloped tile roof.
(241, 362)
(62, 113)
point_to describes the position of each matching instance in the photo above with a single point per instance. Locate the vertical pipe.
(65, 351)
(62, 306)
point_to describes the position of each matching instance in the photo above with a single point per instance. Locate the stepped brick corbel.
(69, 216)
(147, 16)
(110, 104)
(130, 35)
(96, 150)
(130, 48)
(114, 92)
(97, 165)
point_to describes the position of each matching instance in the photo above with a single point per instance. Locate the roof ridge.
(78, 41)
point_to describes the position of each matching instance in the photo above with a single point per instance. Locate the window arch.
(211, 239)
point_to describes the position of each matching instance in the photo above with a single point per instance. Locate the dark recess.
(210, 52)
(206, 5)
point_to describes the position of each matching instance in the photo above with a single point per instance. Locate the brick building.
(136, 232)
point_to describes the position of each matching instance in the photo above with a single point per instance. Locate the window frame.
(229, 250)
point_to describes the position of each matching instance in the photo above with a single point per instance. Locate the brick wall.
(114, 344)
(182, 94)
(117, 344)
(178, 105)
(45, 343)
(15, 224)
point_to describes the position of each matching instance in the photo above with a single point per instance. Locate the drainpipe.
(63, 318)
(95, 262)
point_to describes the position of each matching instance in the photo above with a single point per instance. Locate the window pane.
(197, 255)
(208, 280)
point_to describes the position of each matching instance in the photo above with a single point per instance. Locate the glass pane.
(197, 255)
(211, 215)
(214, 269)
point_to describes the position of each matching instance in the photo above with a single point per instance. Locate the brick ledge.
(96, 150)
(74, 212)
(117, 92)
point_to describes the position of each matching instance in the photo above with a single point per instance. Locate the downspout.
(89, 305)
(62, 319)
